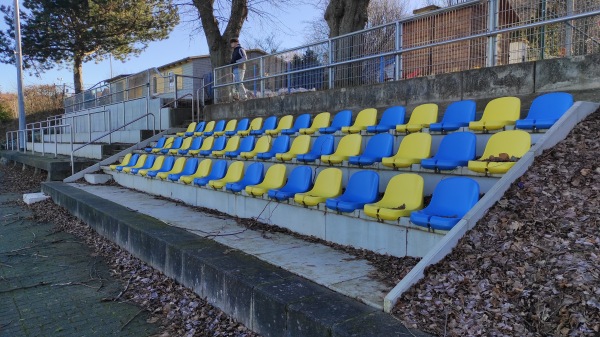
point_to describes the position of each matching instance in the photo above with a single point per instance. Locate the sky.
(289, 28)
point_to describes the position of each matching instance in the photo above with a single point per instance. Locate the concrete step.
(133, 136)
(91, 151)
(57, 168)
(275, 284)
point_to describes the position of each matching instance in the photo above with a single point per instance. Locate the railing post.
(148, 99)
(491, 48)
(42, 138)
(569, 30)
(72, 161)
(110, 127)
(55, 143)
(262, 72)
(330, 65)
(176, 91)
(398, 63)
(90, 125)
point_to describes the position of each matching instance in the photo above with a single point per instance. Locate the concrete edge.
(267, 299)
(558, 132)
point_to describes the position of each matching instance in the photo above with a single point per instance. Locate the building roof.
(192, 58)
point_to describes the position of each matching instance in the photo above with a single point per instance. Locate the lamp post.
(19, 64)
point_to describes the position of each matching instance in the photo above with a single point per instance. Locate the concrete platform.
(57, 168)
(128, 136)
(204, 252)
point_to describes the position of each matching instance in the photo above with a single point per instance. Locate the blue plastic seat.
(191, 165)
(362, 188)
(166, 166)
(323, 145)
(341, 119)
(457, 115)
(218, 145)
(281, 144)
(253, 175)
(246, 144)
(299, 181)
(450, 201)
(269, 124)
(147, 164)
(301, 122)
(456, 149)
(378, 147)
(241, 125)
(219, 126)
(391, 117)
(176, 144)
(132, 162)
(199, 128)
(159, 145)
(196, 144)
(217, 171)
(545, 111)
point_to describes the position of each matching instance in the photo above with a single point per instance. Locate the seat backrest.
(158, 163)
(168, 163)
(349, 145)
(393, 116)
(218, 169)
(256, 123)
(210, 126)
(235, 171)
(247, 144)
(231, 124)
(321, 120)
(328, 182)
(415, 145)
(220, 125)
(424, 114)
(190, 166)
(207, 143)
(254, 172)
(191, 127)
(363, 186)
(404, 189)
(242, 124)
(270, 123)
(366, 117)
(502, 109)
(141, 161)
(169, 143)
(161, 142)
(200, 127)
(301, 144)
(275, 175)
(133, 159)
(285, 122)
(302, 121)
(232, 144)
(460, 112)
(149, 162)
(457, 146)
(186, 143)
(380, 145)
(550, 106)
(126, 159)
(454, 197)
(203, 168)
(342, 118)
(281, 144)
(177, 143)
(299, 179)
(179, 164)
(263, 144)
(219, 143)
(512, 142)
(322, 145)
(196, 142)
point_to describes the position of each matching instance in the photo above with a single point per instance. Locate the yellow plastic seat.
(285, 122)
(125, 161)
(256, 124)
(177, 168)
(366, 117)
(498, 113)
(347, 147)
(403, 194)
(234, 174)
(274, 178)
(413, 148)
(327, 185)
(232, 145)
(263, 144)
(187, 142)
(140, 163)
(420, 118)
(168, 144)
(202, 171)
(207, 144)
(157, 165)
(515, 143)
(321, 120)
(230, 126)
(300, 145)
(209, 127)
(190, 128)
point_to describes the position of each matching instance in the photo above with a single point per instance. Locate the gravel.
(531, 266)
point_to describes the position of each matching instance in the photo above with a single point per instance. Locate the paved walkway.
(51, 285)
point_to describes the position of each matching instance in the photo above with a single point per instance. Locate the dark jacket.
(238, 55)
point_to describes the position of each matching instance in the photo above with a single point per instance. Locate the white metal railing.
(471, 34)
(15, 145)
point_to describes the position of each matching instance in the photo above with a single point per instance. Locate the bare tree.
(268, 43)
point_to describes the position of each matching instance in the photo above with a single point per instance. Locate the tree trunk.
(78, 73)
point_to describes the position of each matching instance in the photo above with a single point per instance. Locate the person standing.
(238, 56)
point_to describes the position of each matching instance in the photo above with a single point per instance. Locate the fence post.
(330, 67)
(398, 70)
(42, 138)
(491, 48)
(176, 93)
(262, 80)
(289, 77)
(569, 30)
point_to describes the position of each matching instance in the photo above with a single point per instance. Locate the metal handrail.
(33, 129)
(109, 133)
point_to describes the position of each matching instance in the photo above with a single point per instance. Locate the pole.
(19, 64)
